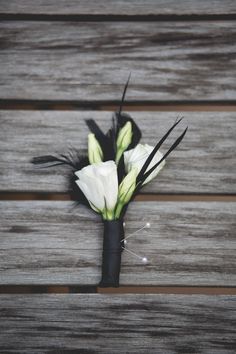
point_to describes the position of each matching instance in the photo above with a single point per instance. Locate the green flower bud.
(127, 186)
(126, 190)
(123, 140)
(124, 136)
(95, 153)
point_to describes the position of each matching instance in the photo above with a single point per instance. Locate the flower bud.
(127, 186)
(95, 153)
(123, 140)
(124, 136)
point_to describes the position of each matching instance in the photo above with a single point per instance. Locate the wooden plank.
(121, 7)
(188, 243)
(203, 163)
(160, 324)
(90, 61)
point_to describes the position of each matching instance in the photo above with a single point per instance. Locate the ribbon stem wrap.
(112, 249)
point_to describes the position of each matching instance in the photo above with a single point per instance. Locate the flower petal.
(137, 157)
(93, 191)
(99, 183)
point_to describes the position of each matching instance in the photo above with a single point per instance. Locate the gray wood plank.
(203, 163)
(87, 61)
(145, 324)
(120, 7)
(188, 243)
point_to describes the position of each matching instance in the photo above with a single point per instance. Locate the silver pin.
(147, 225)
(143, 259)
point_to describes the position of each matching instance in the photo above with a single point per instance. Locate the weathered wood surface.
(90, 61)
(145, 324)
(120, 7)
(49, 243)
(203, 163)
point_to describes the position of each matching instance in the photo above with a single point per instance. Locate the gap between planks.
(142, 197)
(67, 289)
(116, 17)
(164, 106)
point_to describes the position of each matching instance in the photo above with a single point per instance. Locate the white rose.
(136, 158)
(99, 184)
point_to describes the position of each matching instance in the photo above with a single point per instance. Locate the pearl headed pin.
(144, 260)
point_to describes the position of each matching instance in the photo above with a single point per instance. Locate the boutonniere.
(108, 178)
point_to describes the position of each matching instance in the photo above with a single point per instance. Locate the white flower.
(95, 153)
(99, 184)
(136, 158)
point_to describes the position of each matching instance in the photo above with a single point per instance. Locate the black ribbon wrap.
(112, 248)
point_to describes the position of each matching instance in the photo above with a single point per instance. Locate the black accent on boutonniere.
(173, 146)
(104, 140)
(144, 173)
(112, 250)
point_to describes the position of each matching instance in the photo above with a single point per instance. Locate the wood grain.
(120, 7)
(189, 243)
(49, 244)
(203, 163)
(145, 324)
(90, 61)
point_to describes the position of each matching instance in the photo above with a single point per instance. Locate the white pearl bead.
(144, 260)
(124, 224)
(148, 224)
(125, 242)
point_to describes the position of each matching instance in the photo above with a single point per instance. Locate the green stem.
(118, 210)
(108, 214)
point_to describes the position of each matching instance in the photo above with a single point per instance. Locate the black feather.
(123, 95)
(75, 162)
(122, 119)
(121, 169)
(154, 151)
(95, 129)
(105, 140)
(173, 146)
(75, 193)
(51, 160)
(44, 159)
(78, 162)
